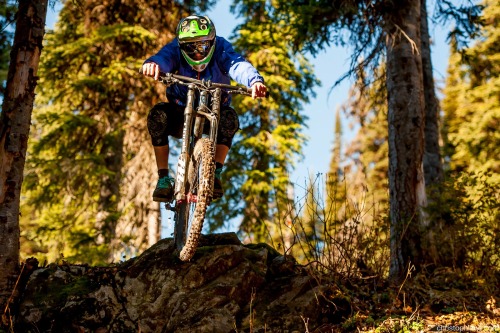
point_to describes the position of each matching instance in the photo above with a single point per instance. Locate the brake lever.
(167, 79)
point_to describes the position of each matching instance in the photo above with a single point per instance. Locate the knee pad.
(228, 126)
(157, 124)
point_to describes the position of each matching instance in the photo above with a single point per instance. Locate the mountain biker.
(198, 53)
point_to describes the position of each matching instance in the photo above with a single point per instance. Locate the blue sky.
(329, 66)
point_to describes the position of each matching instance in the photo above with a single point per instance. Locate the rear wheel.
(190, 214)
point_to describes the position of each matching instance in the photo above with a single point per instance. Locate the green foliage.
(369, 27)
(342, 220)
(79, 130)
(466, 16)
(350, 324)
(401, 324)
(75, 240)
(468, 208)
(471, 104)
(335, 194)
(271, 135)
(8, 9)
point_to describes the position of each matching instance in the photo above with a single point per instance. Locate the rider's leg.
(221, 153)
(228, 126)
(161, 154)
(160, 129)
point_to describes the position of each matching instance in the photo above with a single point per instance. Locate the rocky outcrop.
(226, 287)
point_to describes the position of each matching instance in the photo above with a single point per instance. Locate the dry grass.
(343, 241)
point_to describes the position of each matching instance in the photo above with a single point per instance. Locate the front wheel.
(190, 214)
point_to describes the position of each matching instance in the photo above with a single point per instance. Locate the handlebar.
(169, 78)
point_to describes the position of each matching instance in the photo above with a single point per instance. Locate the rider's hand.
(151, 69)
(258, 90)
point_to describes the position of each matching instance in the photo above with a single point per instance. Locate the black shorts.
(167, 119)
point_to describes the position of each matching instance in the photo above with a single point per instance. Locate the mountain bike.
(194, 179)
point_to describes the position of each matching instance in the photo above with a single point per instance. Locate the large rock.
(227, 287)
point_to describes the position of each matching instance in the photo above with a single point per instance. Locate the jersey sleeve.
(236, 66)
(167, 58)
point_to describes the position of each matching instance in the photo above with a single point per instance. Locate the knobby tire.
(200, 179)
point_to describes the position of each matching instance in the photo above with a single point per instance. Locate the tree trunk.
(140, 218)
(154, 225)
(433, 167)
(406, 136)
(14, 131)
(109, 194)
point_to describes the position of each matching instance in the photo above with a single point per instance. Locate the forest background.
(329, 66)
(87, 186)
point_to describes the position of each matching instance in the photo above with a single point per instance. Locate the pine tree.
(271, 130)
(454, 93)
(366, 201)
(470, 207)
(335, 196)
(310, 224)
(471, 104)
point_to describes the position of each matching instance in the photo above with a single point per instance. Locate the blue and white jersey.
(224, 65)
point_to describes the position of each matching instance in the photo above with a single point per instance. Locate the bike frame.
(186, 231)
(209, 92)
(191, 134)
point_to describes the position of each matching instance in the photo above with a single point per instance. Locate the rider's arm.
(167, 58)
(236, 66)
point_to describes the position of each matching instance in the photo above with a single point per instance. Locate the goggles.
(197, 49)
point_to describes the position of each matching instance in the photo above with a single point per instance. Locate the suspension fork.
(190, 135)
(214, 120)
(213, 117)
(199, 123)
(183, 161)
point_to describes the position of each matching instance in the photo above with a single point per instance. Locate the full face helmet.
(196, 35)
